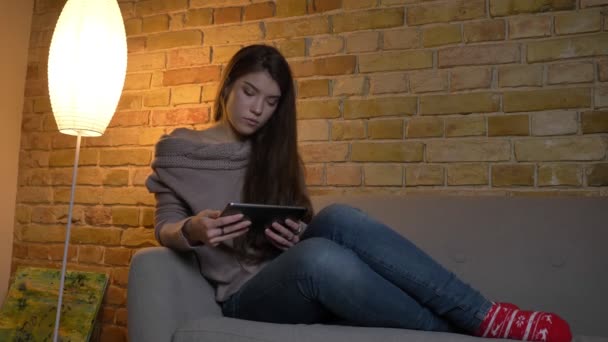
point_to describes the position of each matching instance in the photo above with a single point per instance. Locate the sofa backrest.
(540, 253)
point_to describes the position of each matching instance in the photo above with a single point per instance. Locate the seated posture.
(337, 266)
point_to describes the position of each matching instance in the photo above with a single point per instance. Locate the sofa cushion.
(222, 329)
(236, 330)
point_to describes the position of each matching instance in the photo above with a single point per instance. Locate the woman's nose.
(257, 107)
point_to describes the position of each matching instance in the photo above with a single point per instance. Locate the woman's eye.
(248, 91)
(272, 102)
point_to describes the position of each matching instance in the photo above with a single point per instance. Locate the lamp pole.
(67, 239)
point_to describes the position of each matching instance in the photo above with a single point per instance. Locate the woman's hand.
(211, 229)
(285, 236)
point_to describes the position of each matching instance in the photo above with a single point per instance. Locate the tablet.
(262, 215)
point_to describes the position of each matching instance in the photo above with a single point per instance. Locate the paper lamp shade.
(87, 66)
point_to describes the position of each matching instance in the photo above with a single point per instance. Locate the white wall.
(15, 22)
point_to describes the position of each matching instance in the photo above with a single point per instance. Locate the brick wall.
(505, 97)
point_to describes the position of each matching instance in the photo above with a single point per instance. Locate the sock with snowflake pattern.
(506, 320)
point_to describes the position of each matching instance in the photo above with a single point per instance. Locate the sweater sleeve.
(171, 216)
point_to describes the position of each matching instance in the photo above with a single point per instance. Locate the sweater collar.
(188, 150)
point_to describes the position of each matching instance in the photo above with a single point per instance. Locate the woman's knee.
(323, 257)
(338, 209)
(336, 214)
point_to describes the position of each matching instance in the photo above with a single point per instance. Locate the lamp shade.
(87, 66)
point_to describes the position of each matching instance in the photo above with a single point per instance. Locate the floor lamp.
(86, 72)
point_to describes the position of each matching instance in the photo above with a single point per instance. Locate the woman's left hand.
(285, 236)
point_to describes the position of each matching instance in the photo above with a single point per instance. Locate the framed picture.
(29, 310)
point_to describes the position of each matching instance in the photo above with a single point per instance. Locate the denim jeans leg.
(398, 260)
(319, 281)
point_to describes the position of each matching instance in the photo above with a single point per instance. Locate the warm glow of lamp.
(86, 72)
(87, 66)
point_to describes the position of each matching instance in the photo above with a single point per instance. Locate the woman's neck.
(224, 133)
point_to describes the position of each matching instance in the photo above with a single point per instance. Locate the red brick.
(454, 10)
(594, 122)
(367, 20)
(512, 7)
(479, 55)
(233, 34)
(180, 116)
(145, 8)
(167, 40)
(398, 60)
(111, 333)
(343, 174)
(314, 174)
(502, 125)
(318, 6)
(227, 15)
(400, 39)
(534, 100)
(188, 57)
(198, 17)
(323, 152)
(90, 254)
(297, 27)
(572, 47)
(530, 26)
(291, 8)
(191, 75)
(328, 66)
(98, 215)
(512, 175)
(597, 174)
(259, 11)
(117, 256)
(486, 30)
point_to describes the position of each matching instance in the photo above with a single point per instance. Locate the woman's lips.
(251, 122)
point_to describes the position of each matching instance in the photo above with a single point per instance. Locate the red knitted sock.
(507, 321)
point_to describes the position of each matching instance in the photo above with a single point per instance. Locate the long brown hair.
(275, 173)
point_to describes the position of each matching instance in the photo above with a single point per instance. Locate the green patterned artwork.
(28, 312)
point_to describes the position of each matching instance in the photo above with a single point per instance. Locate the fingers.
(216, 240)
(293, 225)
(296, 228)
(209, 213)
(229, 232)
(277, 240)
(234, 227)
(214, 214)
(215, 229)
(228, 220)
(285, 232)
(282, 235)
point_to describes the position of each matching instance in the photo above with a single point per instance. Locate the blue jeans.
(353, 270)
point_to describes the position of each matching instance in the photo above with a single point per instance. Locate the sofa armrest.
(166, 289)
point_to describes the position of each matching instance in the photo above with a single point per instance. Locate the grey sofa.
(543, 253)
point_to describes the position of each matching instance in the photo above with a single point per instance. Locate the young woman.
(336, 266)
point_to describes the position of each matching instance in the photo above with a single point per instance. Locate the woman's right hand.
(211, 229)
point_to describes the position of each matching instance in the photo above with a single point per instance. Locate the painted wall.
(15, 20)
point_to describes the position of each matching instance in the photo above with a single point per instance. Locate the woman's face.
(251, 101)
